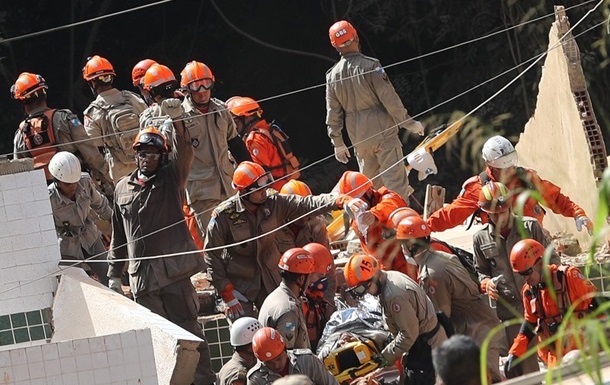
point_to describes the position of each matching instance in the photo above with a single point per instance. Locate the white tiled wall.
(117, 359)
(29, 252)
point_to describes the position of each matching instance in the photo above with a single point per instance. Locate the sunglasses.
(360, 290)
(149, 155)
(527, 272)
(201, 85)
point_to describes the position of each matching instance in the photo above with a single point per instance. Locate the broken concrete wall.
(562, 141)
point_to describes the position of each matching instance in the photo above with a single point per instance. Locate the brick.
(13, 212)
(8, 182)
(12, 197)
(22, 226)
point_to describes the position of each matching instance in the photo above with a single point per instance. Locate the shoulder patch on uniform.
(290, 326)
(227, 206)
(255, 151)
(396, 307)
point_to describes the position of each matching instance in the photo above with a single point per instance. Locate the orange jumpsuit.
(465, 204)
(541, 309)
(387, 251)
(264, 152)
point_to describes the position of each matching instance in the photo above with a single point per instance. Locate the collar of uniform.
(214, 105)
(109, 96)
(62, 197)
(39, 109)
(287, 290)
(492, 228)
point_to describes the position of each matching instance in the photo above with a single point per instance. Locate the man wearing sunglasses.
(213, 135)
(492, 245)
(546, 301)
(148, 221)
(408, 312)
(242, 251)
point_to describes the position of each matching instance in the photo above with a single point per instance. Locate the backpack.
(466, 259)
(279, 139)
(39, 138)
(123, 122)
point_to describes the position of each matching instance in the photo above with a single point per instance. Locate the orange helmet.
(354, 184)
(297, 260)
(27, 85)
(157, 75)
(412, 227)
(494, 198)
(197, 77)
(341, 34)
(151, 137)
(245, 106)
(138, 71)
(360, 268)
(267, 344)
(246, 174)
(295, 187)
(525, 254)
(231, 101)
(96, 67)
(398, 215)
(322, 257)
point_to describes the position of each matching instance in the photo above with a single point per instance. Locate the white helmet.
(243, 330)
(65, 167)
(498, 152)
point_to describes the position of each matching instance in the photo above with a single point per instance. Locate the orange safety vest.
(289, 164)
(39, 139)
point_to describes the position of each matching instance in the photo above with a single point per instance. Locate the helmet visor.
(360, 289)
(200, 85)
(150, 140)
(264, 180)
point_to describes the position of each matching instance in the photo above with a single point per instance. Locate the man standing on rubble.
(451, 289)
(148, 222)
(492, 245)
(361, 99)
(501, 159)
(408, 312)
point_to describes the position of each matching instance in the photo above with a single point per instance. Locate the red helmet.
(138, 71)
(322, 257)
(494, 198)
(157, 75)
(354, 184)
(245, 106)
(297, 260)
(27, 85)
(525, 254)
(97, 67)
(295, 187)
(151, 137)
(197, 77)
(267, 344)
(341, 34)
(246, 174)
(412, 227)
(360, 268)
(398, 215)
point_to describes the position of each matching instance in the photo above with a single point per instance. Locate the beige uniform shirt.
(235, 371)
(359, 93)
(283, 311)
(408, 313)
(301, 361)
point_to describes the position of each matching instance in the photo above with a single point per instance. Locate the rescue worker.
(235, 371)
(492, 245)
(46, 131)
(148, 221)
(241, 241)
(137, 73)
(369, 212)
(283, 308)
(451, 289)
(73, 195)
(457, 362)
(407, 311)
(361, 99)
(275, 362)
(213, 134)
(267, 143)
(501, 160)
(321, 292)
(545, 302)
(111, 120)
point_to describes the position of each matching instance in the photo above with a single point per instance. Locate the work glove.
(234, 309)
(380, 359)
(422, 161)
(354, 206)
(342, 154)
(510, 369)
(584, 221)
(114, 283)
(172, 107)
(415, 127)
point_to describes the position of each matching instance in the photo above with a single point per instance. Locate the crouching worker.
(408, 312)
(235, 370)
(274, 361)
(72, 195)
(546, 306)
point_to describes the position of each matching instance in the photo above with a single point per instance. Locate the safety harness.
(39, 138)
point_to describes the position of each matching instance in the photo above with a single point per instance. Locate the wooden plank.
(435, 198)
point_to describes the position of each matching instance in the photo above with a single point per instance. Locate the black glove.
(380, 359)
(510, 369)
